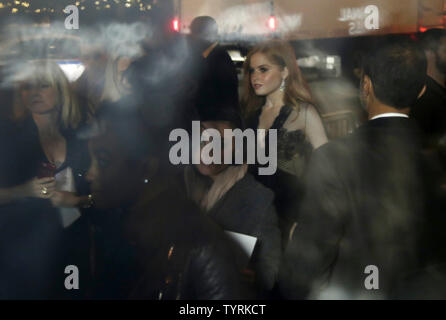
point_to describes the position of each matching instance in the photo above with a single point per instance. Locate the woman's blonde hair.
(279, 53)
(45, 71)
(114, 87)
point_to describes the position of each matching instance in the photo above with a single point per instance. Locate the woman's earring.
(145, 181)
(282, 85)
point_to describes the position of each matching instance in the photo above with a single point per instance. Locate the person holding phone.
(42, 167)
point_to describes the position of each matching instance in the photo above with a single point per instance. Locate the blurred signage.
(360, 19)
(343, 18)
(312, 19)
(432, 14)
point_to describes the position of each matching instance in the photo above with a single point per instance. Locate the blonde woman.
(275, 97)
(42, 169)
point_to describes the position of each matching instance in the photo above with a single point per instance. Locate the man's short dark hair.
(397, 69)
(430, 39)
(204, 27)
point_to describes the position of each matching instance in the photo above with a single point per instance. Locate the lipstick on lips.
(257, 86)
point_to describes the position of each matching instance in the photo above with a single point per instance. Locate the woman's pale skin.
(41, 100)
(266, 78)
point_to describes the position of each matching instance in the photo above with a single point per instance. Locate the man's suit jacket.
(363, 206)
(218, 82)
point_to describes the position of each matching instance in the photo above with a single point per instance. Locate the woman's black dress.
(293, 151)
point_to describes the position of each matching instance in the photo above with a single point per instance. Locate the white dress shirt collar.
(390, 114)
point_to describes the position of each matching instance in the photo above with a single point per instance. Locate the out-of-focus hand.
(38, 188)
(64, 199)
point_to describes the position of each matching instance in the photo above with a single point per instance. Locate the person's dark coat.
(363, 207)
(248, 208)
(430, 113)
(217, 79)
(167, 250)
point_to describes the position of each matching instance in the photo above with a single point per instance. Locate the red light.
(176, 25)
(422, 29)
(272, 23)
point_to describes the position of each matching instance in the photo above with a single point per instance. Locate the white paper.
(65, 182)
(247, 243)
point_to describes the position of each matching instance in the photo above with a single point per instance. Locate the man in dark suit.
(219, 79)
(358, 228)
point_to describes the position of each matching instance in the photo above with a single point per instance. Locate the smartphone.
(46, 170)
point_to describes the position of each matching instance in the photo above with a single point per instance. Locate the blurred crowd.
(86, 179)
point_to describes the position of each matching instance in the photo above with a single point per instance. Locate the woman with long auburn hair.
(275, 97)
(280, 54)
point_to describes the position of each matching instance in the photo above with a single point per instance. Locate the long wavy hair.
(113, 87)
(45, 71)
(279, 53)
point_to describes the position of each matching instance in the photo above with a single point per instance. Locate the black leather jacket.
(169, 250)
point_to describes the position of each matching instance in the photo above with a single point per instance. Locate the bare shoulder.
(314, 127)
(310, 111)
